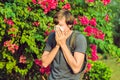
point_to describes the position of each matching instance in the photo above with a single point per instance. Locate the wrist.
(57, 46)
(63, 45)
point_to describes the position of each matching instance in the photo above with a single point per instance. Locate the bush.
(25, 25)
(99, 71)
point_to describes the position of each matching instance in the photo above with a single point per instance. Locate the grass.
(115, 67)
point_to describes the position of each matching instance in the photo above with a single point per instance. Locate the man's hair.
(69, 18)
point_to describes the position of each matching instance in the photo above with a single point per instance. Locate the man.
(65, 64)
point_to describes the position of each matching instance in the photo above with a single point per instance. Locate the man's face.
(62, 24)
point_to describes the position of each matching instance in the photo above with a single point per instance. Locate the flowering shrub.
(26, 24)
(99, 71)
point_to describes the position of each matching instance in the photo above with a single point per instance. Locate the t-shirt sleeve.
(80, 44)
(48, 45)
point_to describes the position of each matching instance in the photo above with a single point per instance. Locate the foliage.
(116, 20)
(99, 71)
(25, 25)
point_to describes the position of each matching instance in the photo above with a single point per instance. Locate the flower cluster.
(83, 20)
(46, 5)
(89, 66)
(90, 1)
(9, 21)
(105, 2)
(11, 47)
(22, 59)
(98, 34)
(43, 70)
(67, 6)
(107, 18)
(94, 55)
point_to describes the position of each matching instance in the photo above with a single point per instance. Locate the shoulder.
(51, 35)
(79, 35)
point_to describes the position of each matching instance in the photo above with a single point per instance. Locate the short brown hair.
(64, 13)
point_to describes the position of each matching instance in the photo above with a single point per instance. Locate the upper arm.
(49, 42)
(80, 49)
(80, 44)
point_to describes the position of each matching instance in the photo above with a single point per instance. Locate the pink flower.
(29, 8)
(36, 23)
(34, 1)
(38, 62)
(93, 22)
(62, 0)
(67, 6)
(43, 70)
(89, 30)
(7, 43)
(89, 66)
(75, 22)
(99, 35)
(95, 31)
(89, 1)
(46, 33)
(11, 47)
(105, 2)
(9, 22)
(94, 56)
(22, 59)
(47, 5)
(107, 18)
(16, 46)
(84, 20)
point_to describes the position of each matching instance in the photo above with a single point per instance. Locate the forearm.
(47, 59)
(71, 60)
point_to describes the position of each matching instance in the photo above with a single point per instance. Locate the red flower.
(89, 30)
(89, 66)
(46, 33)
(99, 35)
(11, 47)
(43, 70)
(36, 23)
(94, 56)
(7, 43)
(105, 2)
(47, 5)
(34, 1)
(75, 22)
(22, 59)
(29, 8)
(107, 18)
(90, 1)
(9, 22)
(93, 22)
(67, 6)
(84, 20)
(38, 62)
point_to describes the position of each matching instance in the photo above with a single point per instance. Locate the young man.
(65, 64)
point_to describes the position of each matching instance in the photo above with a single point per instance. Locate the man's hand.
(60, 37)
